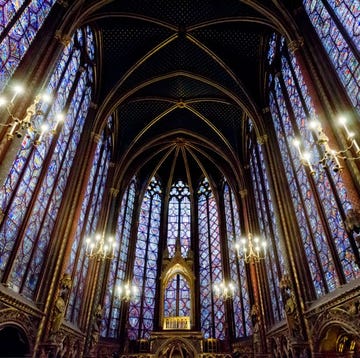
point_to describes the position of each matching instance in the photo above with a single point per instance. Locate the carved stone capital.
(63, 39)
(243, 193)
(262, 139)
(96, 137)
(114, 192)
(294, 45)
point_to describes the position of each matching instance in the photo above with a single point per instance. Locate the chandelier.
(251, 248)
(100, 247)
(224, 289)
(329, 155)
(126, 291)
(16, 126)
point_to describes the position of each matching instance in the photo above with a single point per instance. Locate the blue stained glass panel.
(341, 55)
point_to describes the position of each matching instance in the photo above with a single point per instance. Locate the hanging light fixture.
(100, 247)
(126, 291)
(330, 156)
(224, 289)
(251, 248)
(29, 123)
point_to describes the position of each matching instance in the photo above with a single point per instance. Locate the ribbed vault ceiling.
(181, 77)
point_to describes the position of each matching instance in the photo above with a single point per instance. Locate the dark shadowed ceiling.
(182, 76)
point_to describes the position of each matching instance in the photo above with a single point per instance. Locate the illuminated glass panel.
(16, 38)
(275, 265)
(177, 297)
(47, 202)
(324, 191)
(317, 234)
(212, 311)
(141, 312)
(87, 226)
(241, 302)
(179, 218)
(110, 324)
(272, 48)
(333, 37)
(28, 176)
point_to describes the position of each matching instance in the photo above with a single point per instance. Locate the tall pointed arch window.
(141, 312)
(275, 265)
(241, 301)
(19, 24)
(31, 195)
(110, 325)
(179, 218)
(337, 25)
(318, 200)
(212, 309)
(177, 297)
(87, 225)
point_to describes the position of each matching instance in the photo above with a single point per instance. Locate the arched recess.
(337, 331)
(177, 348)
(14, 341)
(336, 340)
(177, 266)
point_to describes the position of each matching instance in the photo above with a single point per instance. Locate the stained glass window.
(19, 24)
(323, 236)
(212, 311)
(179, 218)
(110, 325)
(241, 302)
(87, 226)
(37, 188)
(177, 297)
(337, 25)
(275, 265)
(141, 312)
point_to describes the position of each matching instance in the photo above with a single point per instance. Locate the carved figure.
(60, 305)
(95, 333)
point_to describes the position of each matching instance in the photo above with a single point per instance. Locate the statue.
(290, 307)
(59, 308)
(255, 320)
(352, 222)
(95, 332)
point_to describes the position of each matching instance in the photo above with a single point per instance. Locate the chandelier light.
(100, 247)
(126, 291)
(30, 122)
(224, 289)
(251, 248)
(329, 155)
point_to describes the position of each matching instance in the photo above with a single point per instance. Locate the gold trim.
(262, 139)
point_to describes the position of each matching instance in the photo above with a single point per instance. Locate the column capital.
(114, 192)
(63, 39)
(294, 45)
(96, 137)
(262, 139)
(63, 3)
(243, 193)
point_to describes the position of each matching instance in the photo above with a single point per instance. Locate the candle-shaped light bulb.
(87, 243)
(3, 101)
(342, 121)
(44, 128)
(58, 119)
(315, 125)
(46, 97)
(296, 143)
(18, 89)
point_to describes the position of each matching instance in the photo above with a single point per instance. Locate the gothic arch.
(332, 325)
(176, 348)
